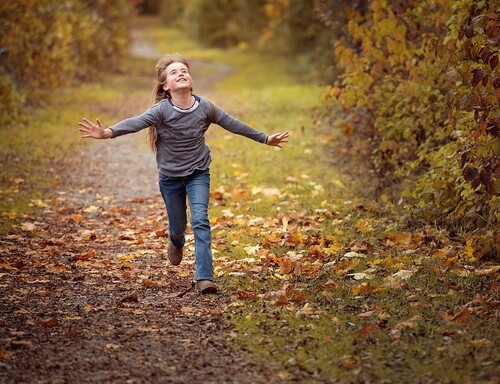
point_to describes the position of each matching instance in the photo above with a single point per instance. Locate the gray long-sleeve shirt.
(180, 134)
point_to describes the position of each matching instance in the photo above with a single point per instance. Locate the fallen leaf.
(131, 298)
(366, 288)
(487, 271)
(366, 314)
(21, 344)
(403, 274)
(462, 317)
(282, 299)
(364, 225)
(369, 329)
(246, 295)
(28, 227)
(49, 323)
(306, 310)
(85, 256)
(77, 218)
(330, 284)
(150, 283)
(42, 293)
(39, 203)
(398, 238)
(90, 209)
(410, 323)
(359, 276)
(353, 255)
(481, 343)
(284, 223)
(252, 250)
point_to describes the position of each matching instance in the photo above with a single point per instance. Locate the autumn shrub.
(54, 44)
(295, 29)
(416, 112)
(224, 24)
(11, 101)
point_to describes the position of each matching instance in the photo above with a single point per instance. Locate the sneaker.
(205, 286)
(174, 254)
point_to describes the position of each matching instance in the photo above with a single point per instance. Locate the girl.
(177, 123)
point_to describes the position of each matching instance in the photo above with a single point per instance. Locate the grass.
(284, 224)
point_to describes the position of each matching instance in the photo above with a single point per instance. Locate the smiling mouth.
(181, 80)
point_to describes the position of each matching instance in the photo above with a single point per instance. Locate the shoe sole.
(174, 262)
(208, 290)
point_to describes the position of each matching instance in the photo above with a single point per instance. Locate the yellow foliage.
(420, 109)
(54, 44)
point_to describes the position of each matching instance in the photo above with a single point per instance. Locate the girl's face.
(178, 77)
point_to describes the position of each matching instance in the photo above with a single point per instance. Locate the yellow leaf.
(398, 238)
(90, 209)
(39, 203)
(364, 225)
(481, 342)
(469, 251)
(339, 184)
(28, 227)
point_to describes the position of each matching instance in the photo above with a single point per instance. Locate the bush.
(55, 44)
(423, 94)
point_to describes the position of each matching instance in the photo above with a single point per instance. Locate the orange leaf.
(150, 283)
(282, 299)
(246, 295)
(295, 239)
(330, 284)
(462, 317)
(48, 323)
(369, 329)
(77, 218)
(366, 288)
(85, 256)
(132, 297)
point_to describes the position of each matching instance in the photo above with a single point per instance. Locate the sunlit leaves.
(42, 40)
(405, 81)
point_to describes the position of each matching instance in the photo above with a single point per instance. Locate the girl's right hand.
(95, 131)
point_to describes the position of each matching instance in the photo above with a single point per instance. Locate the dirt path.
(87, 295)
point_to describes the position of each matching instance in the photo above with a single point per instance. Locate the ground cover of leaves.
(88, 295)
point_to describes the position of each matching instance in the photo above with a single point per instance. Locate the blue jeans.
(196, 188)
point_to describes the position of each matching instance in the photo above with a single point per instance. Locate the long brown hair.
(158, 92)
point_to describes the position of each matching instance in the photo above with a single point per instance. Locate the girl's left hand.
(277, 139)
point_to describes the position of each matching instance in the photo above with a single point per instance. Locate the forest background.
(413, 86)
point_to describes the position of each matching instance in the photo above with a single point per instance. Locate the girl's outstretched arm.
(95, 131)
(277, 139)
